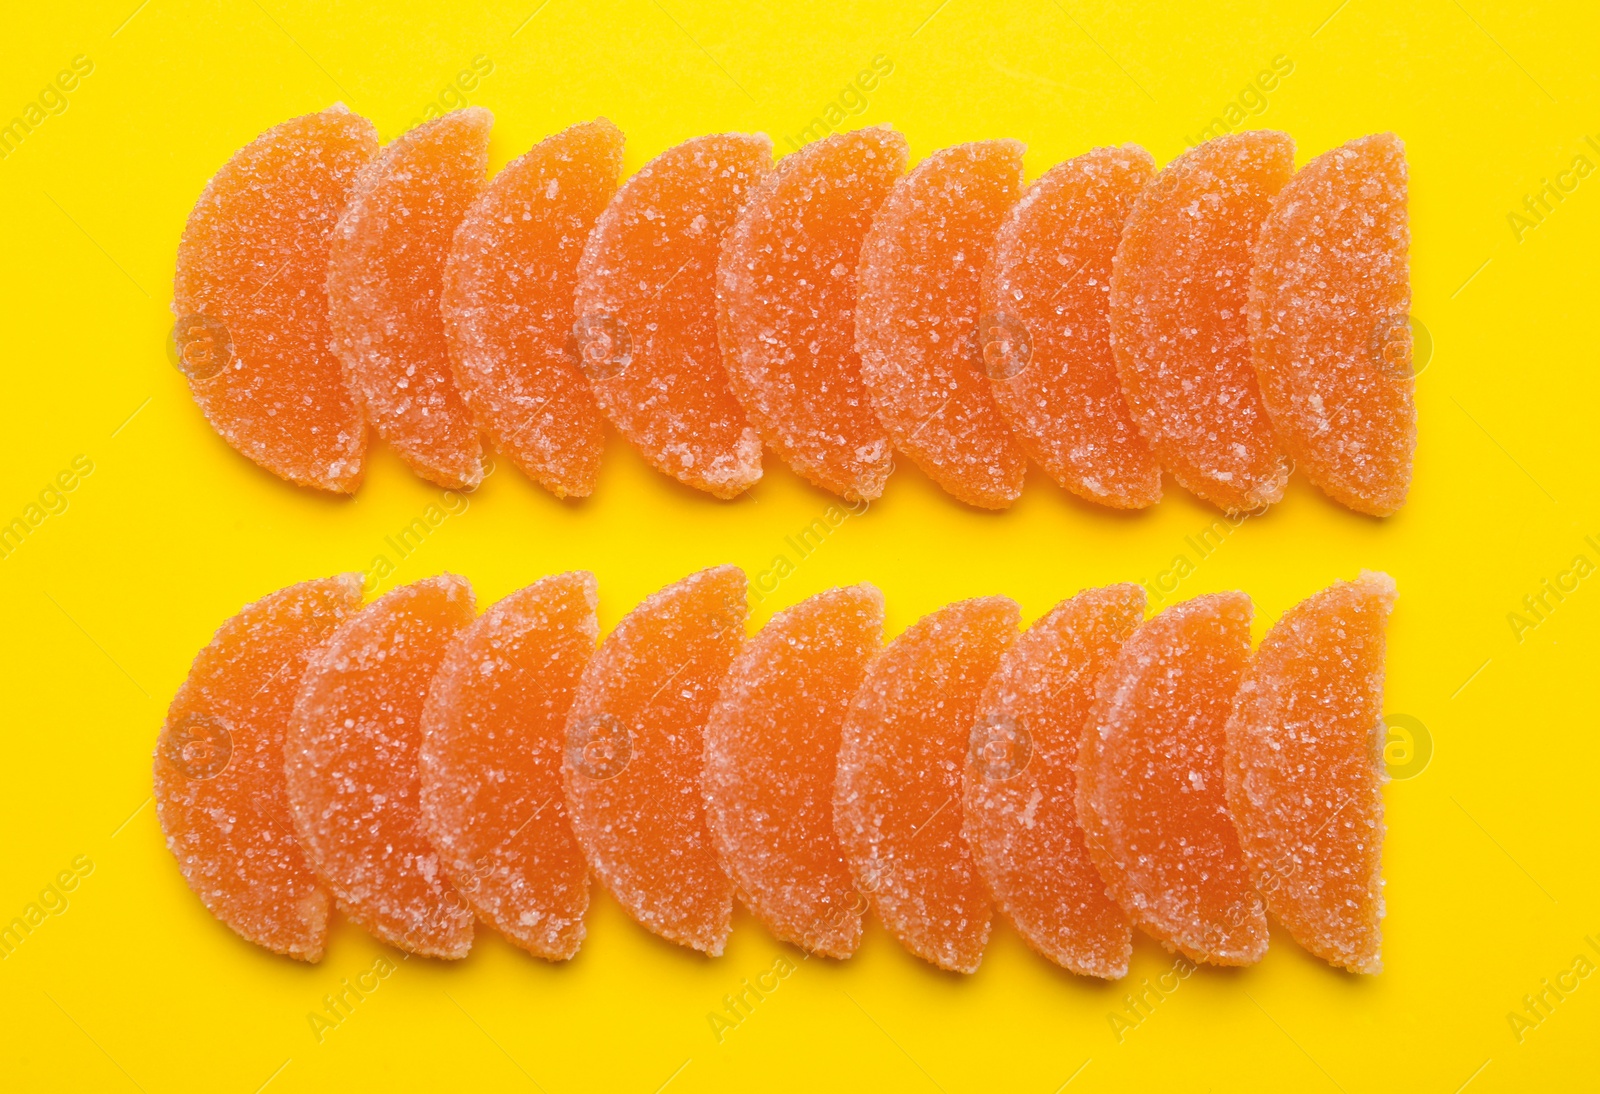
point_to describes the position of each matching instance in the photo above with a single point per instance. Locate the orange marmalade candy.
(1330, 326)
(635, 749)
(647, 321)
(1046, 329)
(772, 754)
(507, 305)
(493, 733)
(1304, 772)
(786, 305)
(1150, 782)
(219, 785)
(384, 279)
(350, 757)
(1180, 285)
(897, 805)
(917, 320)
(252, 329)
(1021, 797)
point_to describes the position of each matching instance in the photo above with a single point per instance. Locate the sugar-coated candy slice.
(786, 303)
(647, 312)
(772, 754)
(1330, 325)
(1305, 771)
(917, 320)
(252, 312)
(1151, 794)
(1180, 287)
(1046, 333)
(350, 756)
(508, 305)
(897, 803)
(493, 734)
(1020, 791)
(385, 273)
(219, 785)
(635, 751)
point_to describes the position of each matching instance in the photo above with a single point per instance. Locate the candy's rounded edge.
(318, 922)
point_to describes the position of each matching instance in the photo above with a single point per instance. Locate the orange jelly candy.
(351, 760)
(917, 320)
(1305, 775)
(385, 274)
(772, 754)
(635, 750)
(1021, 795)
(493, 734)
(786, 301)
(219, 785)
(897, 804)
(252, 329)
(507, 305)
(1151, 797)
(647, 320)
(1180, 286)
(1330, 325)
(1046, 328)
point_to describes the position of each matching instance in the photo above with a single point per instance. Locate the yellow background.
(1491, 857)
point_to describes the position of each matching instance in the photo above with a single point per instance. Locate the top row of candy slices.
(1225, 319)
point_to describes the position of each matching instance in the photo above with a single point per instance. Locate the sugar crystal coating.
(1020, 791)
(385, 275)
(219, 784)
(1329, 323)
(350, 757)
(647, 320)
(1180, 287)
(252, 330)
(772, 753)
(1305, 773)
(1046, 328)
(635, 752)
(897, 803)
(917, 320)
(1150, 773)
(786, 303)
(508, 305)
(493, 733)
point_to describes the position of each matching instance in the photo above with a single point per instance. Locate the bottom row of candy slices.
(1098, 771)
